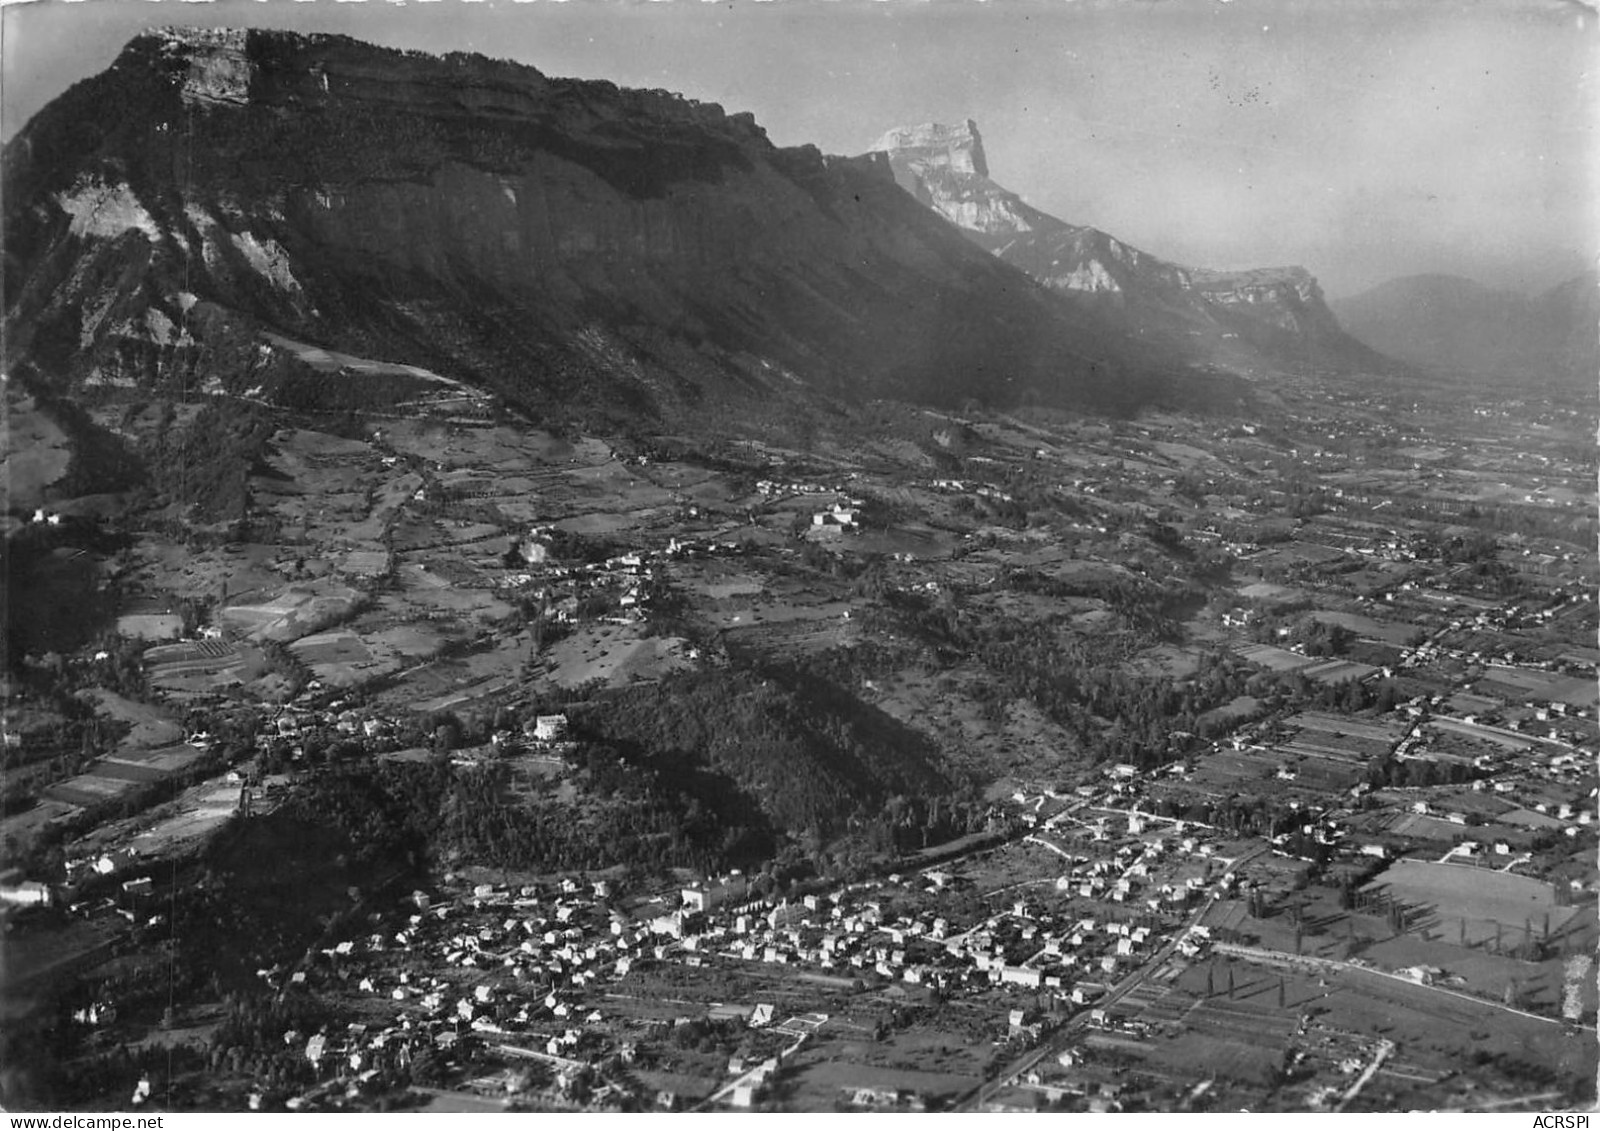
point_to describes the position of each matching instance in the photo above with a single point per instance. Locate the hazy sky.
(1363, 140)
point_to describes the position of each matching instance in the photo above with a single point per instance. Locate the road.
(1142, 815)
(1520, 736)
(976, 1100)
(1538, 1098)
(1367, 1074)
(1056, 848)
(1260, 954)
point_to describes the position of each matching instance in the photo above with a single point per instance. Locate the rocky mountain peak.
(945, 168)
(1243, 318)
(958, 148)
(1257, 283)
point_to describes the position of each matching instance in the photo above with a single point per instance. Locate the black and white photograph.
(799, 556)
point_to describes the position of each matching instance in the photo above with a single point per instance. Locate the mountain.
(314, 221)
(1248, 319)
(1456, 325)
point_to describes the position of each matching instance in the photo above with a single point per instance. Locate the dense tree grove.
(488, 814)
(799, 747)
(627, 817)
(208, 463)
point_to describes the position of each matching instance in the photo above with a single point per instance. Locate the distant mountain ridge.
(1248, 319)
(236, 211)
(1449, 323)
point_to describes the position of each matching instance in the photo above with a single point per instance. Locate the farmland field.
(1267, 591)
(166, 759)
(618, 654)
(150, 626)
(127, 771)
(150, 726)
(934, 1065)
(294, 612)
(1575, 691)
(1275, 659)
(1338, 671)
(1389, 632)
(1462, 892)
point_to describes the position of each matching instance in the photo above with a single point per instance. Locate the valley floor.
(995, 762)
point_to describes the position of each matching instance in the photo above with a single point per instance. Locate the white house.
(549, 728)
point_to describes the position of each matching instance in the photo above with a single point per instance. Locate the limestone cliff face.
(945, 168)
(1088, 260)
(563, 243)
(1285, 303)
(1270, 287)
(1245, 319)
(957, 149)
